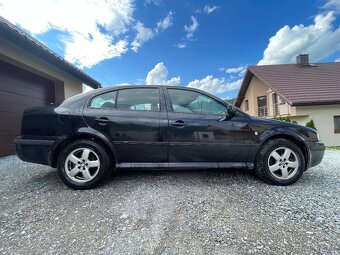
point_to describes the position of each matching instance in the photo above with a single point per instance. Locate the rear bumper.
(316, 152)
(34, 150)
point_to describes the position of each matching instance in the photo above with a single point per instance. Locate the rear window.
(104, 101)
(143, 99)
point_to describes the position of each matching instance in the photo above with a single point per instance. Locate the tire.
(83, 164)
(280, 162)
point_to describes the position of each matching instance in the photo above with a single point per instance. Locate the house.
(301, 91)
(31, 75)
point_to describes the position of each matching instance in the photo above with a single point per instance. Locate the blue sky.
(202, 44)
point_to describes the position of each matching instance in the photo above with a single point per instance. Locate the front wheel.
(280, 162)
(83, 164)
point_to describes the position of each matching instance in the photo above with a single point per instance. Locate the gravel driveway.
(173, 212)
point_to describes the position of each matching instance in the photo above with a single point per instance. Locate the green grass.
(337, 148)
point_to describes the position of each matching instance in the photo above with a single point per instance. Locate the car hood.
(279, 123)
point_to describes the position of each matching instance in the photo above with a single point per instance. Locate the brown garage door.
(19, 89)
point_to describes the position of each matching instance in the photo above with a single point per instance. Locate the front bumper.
(34, 150)
(316, 151)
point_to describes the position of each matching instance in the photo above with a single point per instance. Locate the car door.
(200, 129)
(135, 120)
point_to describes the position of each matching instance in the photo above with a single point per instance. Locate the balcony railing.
(268, 111)
(276, 109)
(262, 111)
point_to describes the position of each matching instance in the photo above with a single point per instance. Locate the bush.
(287, 119)
(310, 124)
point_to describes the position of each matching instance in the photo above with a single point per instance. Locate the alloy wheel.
(283, 163)
(82, 165)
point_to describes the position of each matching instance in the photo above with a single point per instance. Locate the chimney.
(302, 60)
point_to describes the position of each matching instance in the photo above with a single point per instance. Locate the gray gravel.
(173, 212)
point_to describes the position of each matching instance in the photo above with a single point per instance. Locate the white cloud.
(332, 5)
(181, 45)
(209, 9)
(165, 23)
(86, 88)
(85, 52)
(318, 39)
(145, 34)
(337, 60)
(191, 29)
(155, 2)
(90, 28)
(215, 85)
(92, 31)
(235, 69)
(159, 76)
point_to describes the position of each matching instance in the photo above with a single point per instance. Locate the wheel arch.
(87, 134)
(291, 136)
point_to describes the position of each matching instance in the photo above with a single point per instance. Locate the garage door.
(19, 89)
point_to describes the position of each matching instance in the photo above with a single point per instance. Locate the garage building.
(31, 75)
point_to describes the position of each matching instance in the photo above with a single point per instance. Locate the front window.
(337, 124)
(184, 101)
(143, 99)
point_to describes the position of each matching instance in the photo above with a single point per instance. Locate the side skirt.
(185, 165)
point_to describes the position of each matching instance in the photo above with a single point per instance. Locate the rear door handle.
(102, 120)
(178, 123)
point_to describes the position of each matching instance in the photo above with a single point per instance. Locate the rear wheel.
(83, 164)
(280, 162)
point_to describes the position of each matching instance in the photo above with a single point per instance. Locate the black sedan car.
(161, 127)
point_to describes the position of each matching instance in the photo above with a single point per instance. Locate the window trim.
(161, 106)
(195, 113)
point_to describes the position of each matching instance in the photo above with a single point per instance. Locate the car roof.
(117, 87)
(90, 94)
(99, 91)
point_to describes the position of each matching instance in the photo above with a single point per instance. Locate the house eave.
(29, 44)
(315, 103)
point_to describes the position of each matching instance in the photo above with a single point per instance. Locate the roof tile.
(299, 85)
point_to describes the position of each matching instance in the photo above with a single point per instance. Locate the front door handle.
(102, 120)
(178, 123)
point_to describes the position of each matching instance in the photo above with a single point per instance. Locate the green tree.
(311, 124)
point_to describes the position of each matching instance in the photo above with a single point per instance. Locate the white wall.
(256, 88)
(323, 117)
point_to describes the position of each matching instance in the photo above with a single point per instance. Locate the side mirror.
(231, 110)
